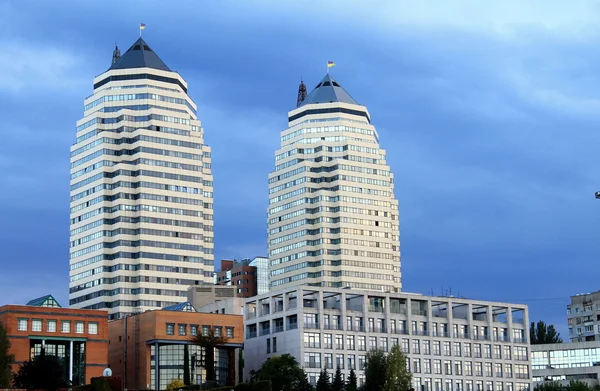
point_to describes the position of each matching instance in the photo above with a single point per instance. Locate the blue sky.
(489, 113)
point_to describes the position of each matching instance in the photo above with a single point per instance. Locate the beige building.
(583, 316)
(332, 215)
(141, 190)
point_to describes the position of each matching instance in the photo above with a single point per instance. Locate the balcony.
(420, 332)
(519, 340)
(315, 345)
(278, 329)
(502, 338)
(332, 327)
(251, 334)
(312, 365)
(485, 337)
(311, 325)
(400, 331)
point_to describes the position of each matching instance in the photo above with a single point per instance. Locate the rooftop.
(327, 91)
(180, 307)
(139, 55)
(44, 301)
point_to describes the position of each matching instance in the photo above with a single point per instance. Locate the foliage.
(175, 384)
(398, 377)
(5, 359)
(338, 383)
(323, 381)
(209, 342)
(540, 333)
(375, 370)
(304, 384)
(352, 384)
(573, 386)
(43, 373)
(256, 386)
(283, 371)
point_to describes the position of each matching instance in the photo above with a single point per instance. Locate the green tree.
(398, 377)
(540, 333)
(375, 370)
(283, 371)
(5, 359)
(175, 384)
(352, 384)
(338, 382)
(323, 381)
(42, 373)
(209, 343)
(186, 365)
(304, 385)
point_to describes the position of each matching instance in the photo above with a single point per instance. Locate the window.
(51, 326)
(92, 328)
(36, 325)
(229, 332)
(65, 326)
(194, 330)
(218, 331)
(274, 344)
(268, 345)
(79, 327)
(22, 325)
(206, 331)
(182, 329)
(350, 342)
(170, 329)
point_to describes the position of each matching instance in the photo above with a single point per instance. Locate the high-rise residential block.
(332, 215)
(584, 317)
(141, 190)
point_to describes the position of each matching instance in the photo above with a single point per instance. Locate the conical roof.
(140, 55)
(328, 90)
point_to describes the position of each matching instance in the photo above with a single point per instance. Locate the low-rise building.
(215, 299)
(566, 362)
(78, 338)
(453, 344)
(148, 349)
(249, 276)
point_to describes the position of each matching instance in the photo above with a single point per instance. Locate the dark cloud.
(490, 129)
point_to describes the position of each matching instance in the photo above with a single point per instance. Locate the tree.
(338, 382)
(5, 359)
(283, 371)
(398, 376)
(323, 381)
(352, 384)
(186, 365)
(175, 384)
(540, 333)
(304, 384)
(42, 373)
(375, 370)
(209, 343)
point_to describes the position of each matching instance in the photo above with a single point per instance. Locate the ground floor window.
(61, 351)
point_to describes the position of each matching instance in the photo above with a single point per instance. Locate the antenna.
(116, 54)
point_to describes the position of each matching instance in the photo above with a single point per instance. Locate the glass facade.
(171, 364)
(61, 350)
(262, 274)
(553, 362)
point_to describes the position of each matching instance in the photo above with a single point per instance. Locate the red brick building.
(239, 274)
(162, 338)
(76, 337)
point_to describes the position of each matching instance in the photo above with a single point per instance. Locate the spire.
(327, 91)
(116, 54)
(301, 93)
(139, 55)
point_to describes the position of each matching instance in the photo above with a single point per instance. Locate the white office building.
(453, 344)
(332, 215)
(141, 190)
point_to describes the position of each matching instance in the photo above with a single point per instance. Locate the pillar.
(156, 367)
(71, 361)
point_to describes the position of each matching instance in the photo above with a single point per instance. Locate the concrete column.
(70, 361)
(156, 368)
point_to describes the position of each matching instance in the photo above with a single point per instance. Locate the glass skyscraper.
(141, 190)
(332, 215)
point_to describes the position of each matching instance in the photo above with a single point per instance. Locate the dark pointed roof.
(180, 307)
(327, 91)
(139, 55)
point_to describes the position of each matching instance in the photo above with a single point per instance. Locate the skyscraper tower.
(141, 190)
(332, 216)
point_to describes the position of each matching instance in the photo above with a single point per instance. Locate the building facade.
(332, 215)
(216, 299)
(162, 338)
(77, 338)
(452, 344)
(566, 362)
(249, 276)
(583, 316)
(141, 190)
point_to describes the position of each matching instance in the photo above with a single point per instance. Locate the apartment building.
(583, 316)
(453, 344)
